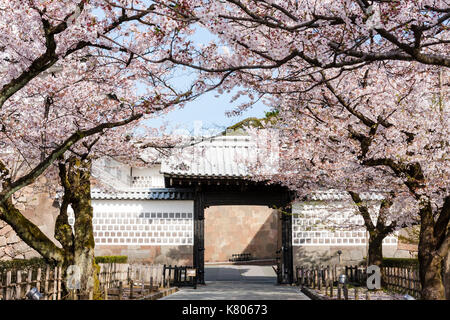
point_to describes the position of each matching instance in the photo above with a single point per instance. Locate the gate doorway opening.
(239, 192)
(241, 243)
(231, 230)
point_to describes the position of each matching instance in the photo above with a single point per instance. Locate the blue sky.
(209, 109)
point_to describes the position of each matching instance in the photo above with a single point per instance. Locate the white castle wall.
(321, 228)
(147, 177)
(142, 222)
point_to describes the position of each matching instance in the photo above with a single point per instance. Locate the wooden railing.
(397, 279)
(178, 276)
(15, 284)
(111, 274)
(145, 273)
(317, 277)
(356, 274)
(131, 281)
(403, 280)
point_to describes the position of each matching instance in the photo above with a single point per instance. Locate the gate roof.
(228, 157)
(152, 194)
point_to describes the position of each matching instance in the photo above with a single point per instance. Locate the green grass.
(400, 262)
(111, 259)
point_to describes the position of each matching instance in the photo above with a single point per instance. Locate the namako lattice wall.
(330, 223)
(142, 222)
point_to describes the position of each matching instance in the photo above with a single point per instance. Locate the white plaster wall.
(143, 222)
(148, 177)
(112, 173)
(331, 223)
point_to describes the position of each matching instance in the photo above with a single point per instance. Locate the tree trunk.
(377, 232)
(78, 247)
(431, 278)
(78, 177)
(430, 263)
(375, 249)
(447, 276)
(30, 233)
(83, 255)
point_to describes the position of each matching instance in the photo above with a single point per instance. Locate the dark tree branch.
(59, 151)
(363, 210)
(30, 233)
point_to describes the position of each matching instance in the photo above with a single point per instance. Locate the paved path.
(230, 282)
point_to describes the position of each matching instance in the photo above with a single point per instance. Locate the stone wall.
(240, 229)
(11, 246)
(171, 255)
(37, 207)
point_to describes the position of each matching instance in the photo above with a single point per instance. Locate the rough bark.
(78, 246)
(77, 192)
(375, 249)
(434, 237)
(447, 276)
(430, 259)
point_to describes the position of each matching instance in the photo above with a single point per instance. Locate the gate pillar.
(199, 237)
(287, 261)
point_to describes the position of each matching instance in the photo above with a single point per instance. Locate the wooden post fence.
(15, 284)
(398, 279)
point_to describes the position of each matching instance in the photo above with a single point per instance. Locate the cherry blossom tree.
(328, 34)
(368, 130)
(75, 75)
(356, 70)
(306, 167)
(365, 81)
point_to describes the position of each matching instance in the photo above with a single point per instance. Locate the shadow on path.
(241, 273)
(243, 282)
